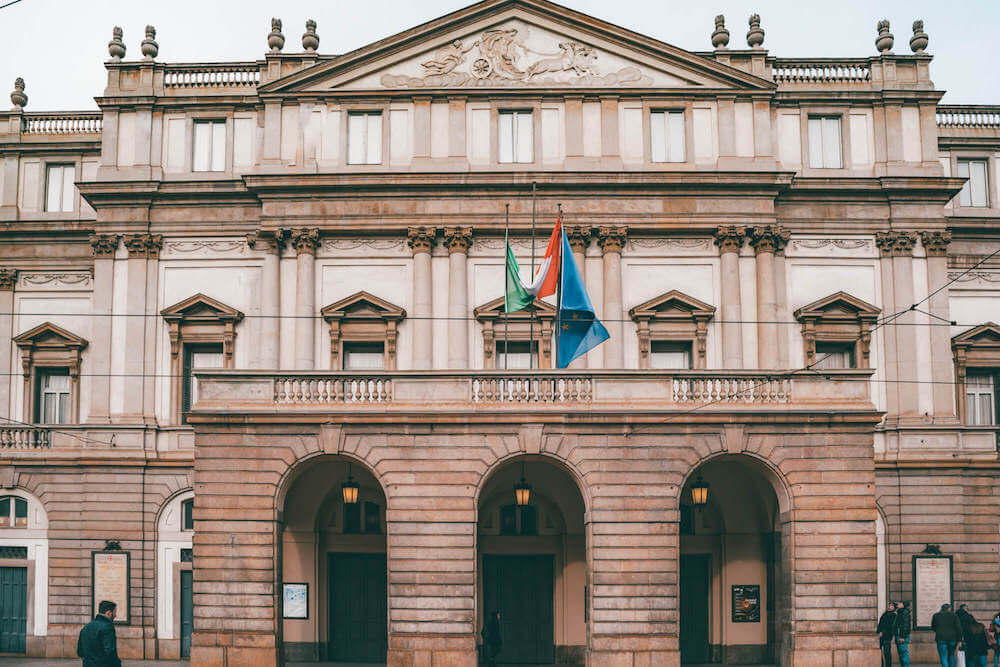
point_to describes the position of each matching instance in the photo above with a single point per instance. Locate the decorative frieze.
(970, 276)
(8, 278)
(729, 238)
(421, 239)
(768, 238)
(895, 243)
(143, 245)
(104, 245)
(305, 241)
(842, 244)
(612, 238)
(936, 243)
(458, 239)
(237, 246)
(55, 279)
(682, 244)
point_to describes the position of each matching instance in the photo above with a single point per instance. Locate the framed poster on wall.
(109, 574)
(746, 603)
(295, 600)
(932, 582)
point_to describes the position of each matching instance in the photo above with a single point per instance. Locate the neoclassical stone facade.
(251, 321)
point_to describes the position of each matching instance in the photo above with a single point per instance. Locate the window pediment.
(362, 306)
(48, 336)
(201, 308)
(673, 316)
(517, 327)
(979, 346)
(362, 318)
(839, 306)
(673, 305)
(46, 350)
(838, 318)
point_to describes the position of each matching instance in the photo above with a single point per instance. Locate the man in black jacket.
(97, 644)
(901, 631)
(947, 634)
(886, 626)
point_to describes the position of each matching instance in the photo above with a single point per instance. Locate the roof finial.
(17, 95)
(919, 40)
(720, 37)
(275, 40)
(149, 47)
(116, 47)
(755, 36)
(885, 39)
(310, 40)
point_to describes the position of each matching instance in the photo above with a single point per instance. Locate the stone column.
(579, 239)
(900, 247)
(270, 243)
(141, 247)
(305, 242)
(8, 278)
(942, 367)
(766, 241)
(104, 247)
(421, 241)
(612, 240)
(458, 240)
(730, 239)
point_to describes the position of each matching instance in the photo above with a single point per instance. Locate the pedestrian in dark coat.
(886, 624)
(492, 639)
(975, 645)
(97, 644)
(901, 632)
(947, 633)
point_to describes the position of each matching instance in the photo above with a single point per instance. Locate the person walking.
(993, 638)
(901, 632)
(97, 644)
(886, 625)
(975, 645)
(492, 639)
(947, 633)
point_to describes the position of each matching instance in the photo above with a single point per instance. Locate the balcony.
(25, 437)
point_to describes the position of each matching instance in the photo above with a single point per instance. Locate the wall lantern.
(522, 491)
(699, 492)
(349, 488)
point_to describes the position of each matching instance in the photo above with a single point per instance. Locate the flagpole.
(506, 315)
(559, 289)
(531, 311)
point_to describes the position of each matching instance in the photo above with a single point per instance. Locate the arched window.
(13, 512)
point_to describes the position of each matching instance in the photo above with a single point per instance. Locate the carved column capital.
(104, 245)
(729, 238)
(266, 240)
(768, 238)
(305, 240)
(421, 239)
(146, 246)
(612, 238)
(579, 237)
(8, 277)
(936, 243)
(458, 239)
(895, 244)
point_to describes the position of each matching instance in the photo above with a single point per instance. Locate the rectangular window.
(835, 355)
(669, 354)
(980, 404)
(364, 356)
(5, 512)
(20, 513)
(373, 521)
(197, 357)
(516, 354)
(824, 142)
(974, 190)
(515, 142)
(209, 145)
(59, 188)
(364, 138)
(187, 515)
(352, 518)
(53, 396)
(666, 135)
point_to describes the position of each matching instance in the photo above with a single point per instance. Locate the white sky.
(59, 46)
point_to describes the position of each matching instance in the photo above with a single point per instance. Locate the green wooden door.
(521, 589)
(696, 577)
(187, 612)
(13, 608)
(358, 628)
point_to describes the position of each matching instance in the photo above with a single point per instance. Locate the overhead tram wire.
(8, 4)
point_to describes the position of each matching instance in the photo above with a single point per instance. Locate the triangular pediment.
(48, 335)
(515, 44)
(199, 308)
(673, 305)
(984, 334)
(363, 305)
(492, 310)
(838, 305)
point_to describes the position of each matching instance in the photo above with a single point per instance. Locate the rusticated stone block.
(251, 657)
(611, 659)
(208, 656)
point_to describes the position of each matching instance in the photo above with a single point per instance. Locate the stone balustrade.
(250, 391)
(69, 122)
(968, 116)
(827, 71)
(211, 76)
(24, 437)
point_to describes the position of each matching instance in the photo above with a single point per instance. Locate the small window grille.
(187, 555)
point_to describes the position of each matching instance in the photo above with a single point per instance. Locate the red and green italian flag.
(518, 295)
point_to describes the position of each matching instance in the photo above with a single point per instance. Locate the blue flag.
(579, 329)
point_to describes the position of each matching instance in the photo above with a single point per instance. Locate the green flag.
(516, 296)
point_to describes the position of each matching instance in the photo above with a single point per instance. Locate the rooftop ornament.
(720, 36)
(755, 36)
(275, 40)
(116, 47)
(310, 40)
(17, 96)
(919, 40)
(885, 39)
(149, 47)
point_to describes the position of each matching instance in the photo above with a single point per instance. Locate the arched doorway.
(532, 563)
(333, 565)
(730, 606)
(24, 573)
(174, 576)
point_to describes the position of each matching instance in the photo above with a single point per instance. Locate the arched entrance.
(731, 603)
(333, 565)
(532, 562)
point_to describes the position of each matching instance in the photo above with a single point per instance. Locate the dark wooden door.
(187, 612)
(696, 578)
(521, 589)
(358, 629)
(13, 608)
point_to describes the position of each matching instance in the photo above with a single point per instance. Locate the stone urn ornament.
(17, 96)
(275, 40)
(310, 40)
(919, 40)
(116, 47)
(149, 47)
(885, 39)
(720, 36)
(755, 36)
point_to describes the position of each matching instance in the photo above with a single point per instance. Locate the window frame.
(967, 186)
(346, 348)
(41, 374)
(188, 389)
(976, 352)
(48, 346)
(187, 514)
(212, 123)
(991, 375)
(532, 354)
(515, 114)
(363, 318)
(12, 518)
(667, 114)
(673, 317)
(842, 143)
(685, 346)
(838, 318)
(63, 167)
(366, 113)
(516, 327)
